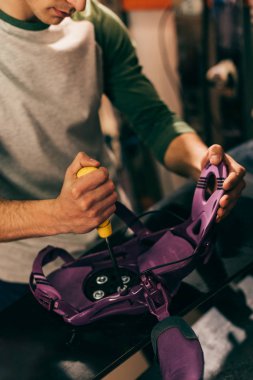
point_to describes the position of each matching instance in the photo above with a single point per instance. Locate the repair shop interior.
(126, 190)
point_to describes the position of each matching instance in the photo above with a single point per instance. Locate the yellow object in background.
(129, 5)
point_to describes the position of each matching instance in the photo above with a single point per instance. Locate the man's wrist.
(184, 155)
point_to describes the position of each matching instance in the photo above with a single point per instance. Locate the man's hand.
(233, 184)
(82, 205)
(84, 202)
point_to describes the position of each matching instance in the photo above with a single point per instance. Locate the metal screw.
(101, 280)
(119, 289)
(98, 294)
(125, 279)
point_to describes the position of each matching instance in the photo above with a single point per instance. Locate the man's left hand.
(233, 184)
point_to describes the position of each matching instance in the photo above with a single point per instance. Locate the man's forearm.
(24, 219)
(184, 155)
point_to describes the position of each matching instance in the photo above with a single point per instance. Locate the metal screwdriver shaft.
(115, 265)
(104, 231)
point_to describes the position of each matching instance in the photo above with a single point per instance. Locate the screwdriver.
(104, 230)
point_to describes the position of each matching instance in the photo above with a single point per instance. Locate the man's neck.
(16, 9)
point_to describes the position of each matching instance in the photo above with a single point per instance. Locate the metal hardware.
(98, 294)
(125, 279)
(156, 296)
(101, 280)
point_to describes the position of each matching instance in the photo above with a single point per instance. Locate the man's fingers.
(233, 180)
(92, 198)
(223, 212)
(236, 173)
(81, 160)
(100, 207)
(232, 195)
(215, 154)
(233, 184)
(89, 182)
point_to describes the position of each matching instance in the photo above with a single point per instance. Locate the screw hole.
(211, 186)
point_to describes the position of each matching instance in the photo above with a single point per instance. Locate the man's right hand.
(84, 202)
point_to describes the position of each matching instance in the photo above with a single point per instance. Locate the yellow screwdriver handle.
(105, 228)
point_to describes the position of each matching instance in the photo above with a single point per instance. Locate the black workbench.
(38, 345)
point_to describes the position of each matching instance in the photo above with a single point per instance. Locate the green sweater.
(52, 79)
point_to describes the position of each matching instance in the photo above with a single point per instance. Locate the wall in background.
(144, 29)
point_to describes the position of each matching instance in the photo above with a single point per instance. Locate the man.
(53, 72)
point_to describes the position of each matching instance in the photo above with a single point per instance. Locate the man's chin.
(55, 21)
(51, 20)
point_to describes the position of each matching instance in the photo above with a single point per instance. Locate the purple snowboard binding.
(86, 289)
